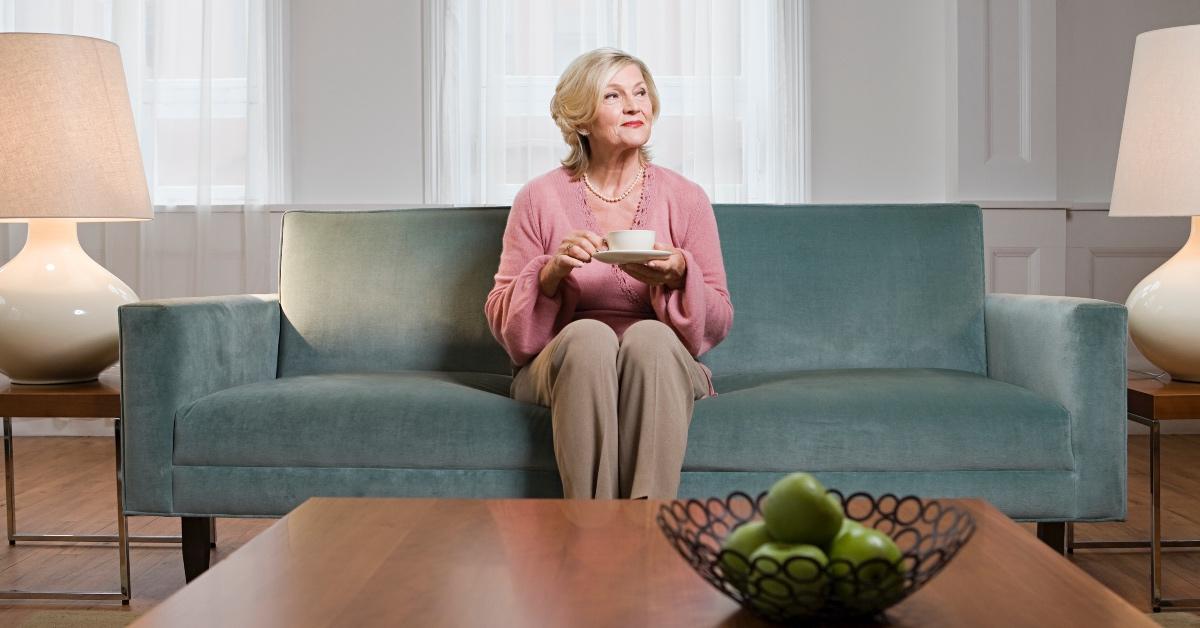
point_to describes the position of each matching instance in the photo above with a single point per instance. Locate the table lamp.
(68, 154)
(1158, 174)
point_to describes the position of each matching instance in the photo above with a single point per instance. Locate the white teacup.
(630, 240)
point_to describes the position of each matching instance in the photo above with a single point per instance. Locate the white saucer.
(630, 256)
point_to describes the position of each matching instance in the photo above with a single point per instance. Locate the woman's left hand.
(660, 272)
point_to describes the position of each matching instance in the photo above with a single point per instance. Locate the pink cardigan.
(549, 207)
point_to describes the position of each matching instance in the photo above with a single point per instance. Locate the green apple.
(837, 503)
(797, 511)
(792, 580)
(850, 527)
(879, 582)
(743, 541)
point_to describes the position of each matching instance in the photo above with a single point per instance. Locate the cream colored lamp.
(1158, 174)
(68, 154)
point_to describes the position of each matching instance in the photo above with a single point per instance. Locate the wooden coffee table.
(453, 562)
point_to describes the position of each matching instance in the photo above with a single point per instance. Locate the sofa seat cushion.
(386, 420)
(876, 420)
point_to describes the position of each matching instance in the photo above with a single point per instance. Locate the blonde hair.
(577, 97)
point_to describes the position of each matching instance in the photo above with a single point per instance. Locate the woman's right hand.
(573, 252)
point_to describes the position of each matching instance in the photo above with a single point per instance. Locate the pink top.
(549, 207)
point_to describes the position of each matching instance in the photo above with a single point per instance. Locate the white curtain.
(729, 72)
(207, 84)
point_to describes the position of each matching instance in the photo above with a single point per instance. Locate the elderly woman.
(611, 350)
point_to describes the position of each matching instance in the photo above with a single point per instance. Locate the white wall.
(356, 101)
(1004, 90)
(1095, 52)
(877, 103)
(882, 94)
(880, 74)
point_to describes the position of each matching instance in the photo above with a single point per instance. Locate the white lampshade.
(1158, 167)
(1158, 174)
(68, 147)
(68, 153)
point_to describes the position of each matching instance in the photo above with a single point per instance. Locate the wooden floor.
(65, 485)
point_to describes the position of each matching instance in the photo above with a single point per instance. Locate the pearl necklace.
(618, 199)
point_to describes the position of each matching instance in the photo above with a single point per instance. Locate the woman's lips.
(635, 124)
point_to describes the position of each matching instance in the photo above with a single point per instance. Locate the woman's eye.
(610, 96)
(641, 93)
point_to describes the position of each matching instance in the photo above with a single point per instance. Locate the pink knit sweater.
(549, 207)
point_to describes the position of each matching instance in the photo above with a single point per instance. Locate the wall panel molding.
(1024, 250)
(1020, 278)
(1141, 257)
(1006, 100)
(1025, 79)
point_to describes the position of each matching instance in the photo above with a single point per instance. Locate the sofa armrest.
(1072, 351)
(173, 352)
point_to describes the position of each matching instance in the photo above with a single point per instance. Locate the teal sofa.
(863, 349)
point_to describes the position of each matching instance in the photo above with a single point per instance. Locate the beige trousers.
(620, 408)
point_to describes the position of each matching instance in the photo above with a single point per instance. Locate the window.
(196, 76)
(194, 101)
(728, 72)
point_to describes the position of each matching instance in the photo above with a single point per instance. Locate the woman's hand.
(573, 252)
(660, 272)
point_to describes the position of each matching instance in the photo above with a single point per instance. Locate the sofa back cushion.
(827, 287)
(813, 287)
(389, 291)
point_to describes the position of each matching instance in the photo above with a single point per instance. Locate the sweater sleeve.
(700, 312)
(521, 317)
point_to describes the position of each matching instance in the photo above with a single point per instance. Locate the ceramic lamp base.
(1164, 312)
(58, 309)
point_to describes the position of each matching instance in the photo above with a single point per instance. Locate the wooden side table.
(1150, 403)
(97, 399)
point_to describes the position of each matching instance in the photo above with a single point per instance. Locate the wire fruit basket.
(928, 533)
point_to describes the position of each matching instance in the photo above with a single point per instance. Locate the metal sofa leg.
(197, 535)
(1054, 534)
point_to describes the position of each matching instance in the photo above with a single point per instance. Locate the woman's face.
(625, 114)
